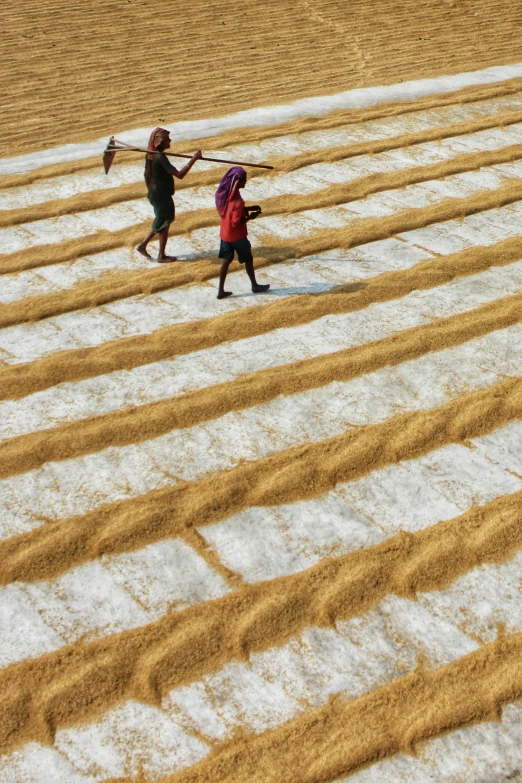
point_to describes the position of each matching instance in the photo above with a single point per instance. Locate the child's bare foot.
(258, 288)
(224, 294)
(166, 259)
(143, 250)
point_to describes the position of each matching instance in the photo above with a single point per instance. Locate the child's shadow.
(313, 288)
(279, 255)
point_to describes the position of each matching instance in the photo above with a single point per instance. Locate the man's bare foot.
(224, 294)
(143, 250)
(166, 259)
(258, 288)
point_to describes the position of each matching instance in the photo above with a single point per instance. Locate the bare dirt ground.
(74, 70)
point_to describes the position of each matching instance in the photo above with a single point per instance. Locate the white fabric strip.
(305, 181)
(277, 685)
(227, 361)
(30, 341)
(116, 593)
(304, 275)
(78, 485)
(265, 543)
(106, 596)
(283, 683)
(289, 145)
(273, 115)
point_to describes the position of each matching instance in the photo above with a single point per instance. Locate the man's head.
(159, 139)
(165, 143)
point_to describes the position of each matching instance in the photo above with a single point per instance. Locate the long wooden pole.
(112, 148)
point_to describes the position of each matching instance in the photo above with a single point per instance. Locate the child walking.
(233, 232)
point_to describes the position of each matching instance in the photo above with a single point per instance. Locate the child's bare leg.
(257, 288)
(142, 247)
(222, 294)
(163, 237)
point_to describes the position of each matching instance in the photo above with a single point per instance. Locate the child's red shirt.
(232, 228)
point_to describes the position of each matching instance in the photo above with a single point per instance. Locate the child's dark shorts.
(242, 247)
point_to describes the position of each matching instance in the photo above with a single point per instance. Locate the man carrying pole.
(159, 178)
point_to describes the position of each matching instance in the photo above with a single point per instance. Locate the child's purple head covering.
(226, 187)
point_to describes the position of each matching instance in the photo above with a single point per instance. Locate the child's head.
(234, 179)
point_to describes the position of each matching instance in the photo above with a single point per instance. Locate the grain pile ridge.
(278, 536)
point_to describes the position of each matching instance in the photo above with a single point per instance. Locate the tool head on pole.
(108, 155)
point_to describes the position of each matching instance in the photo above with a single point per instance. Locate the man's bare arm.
(185, 170)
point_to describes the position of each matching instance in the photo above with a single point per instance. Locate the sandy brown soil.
(72, 71)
